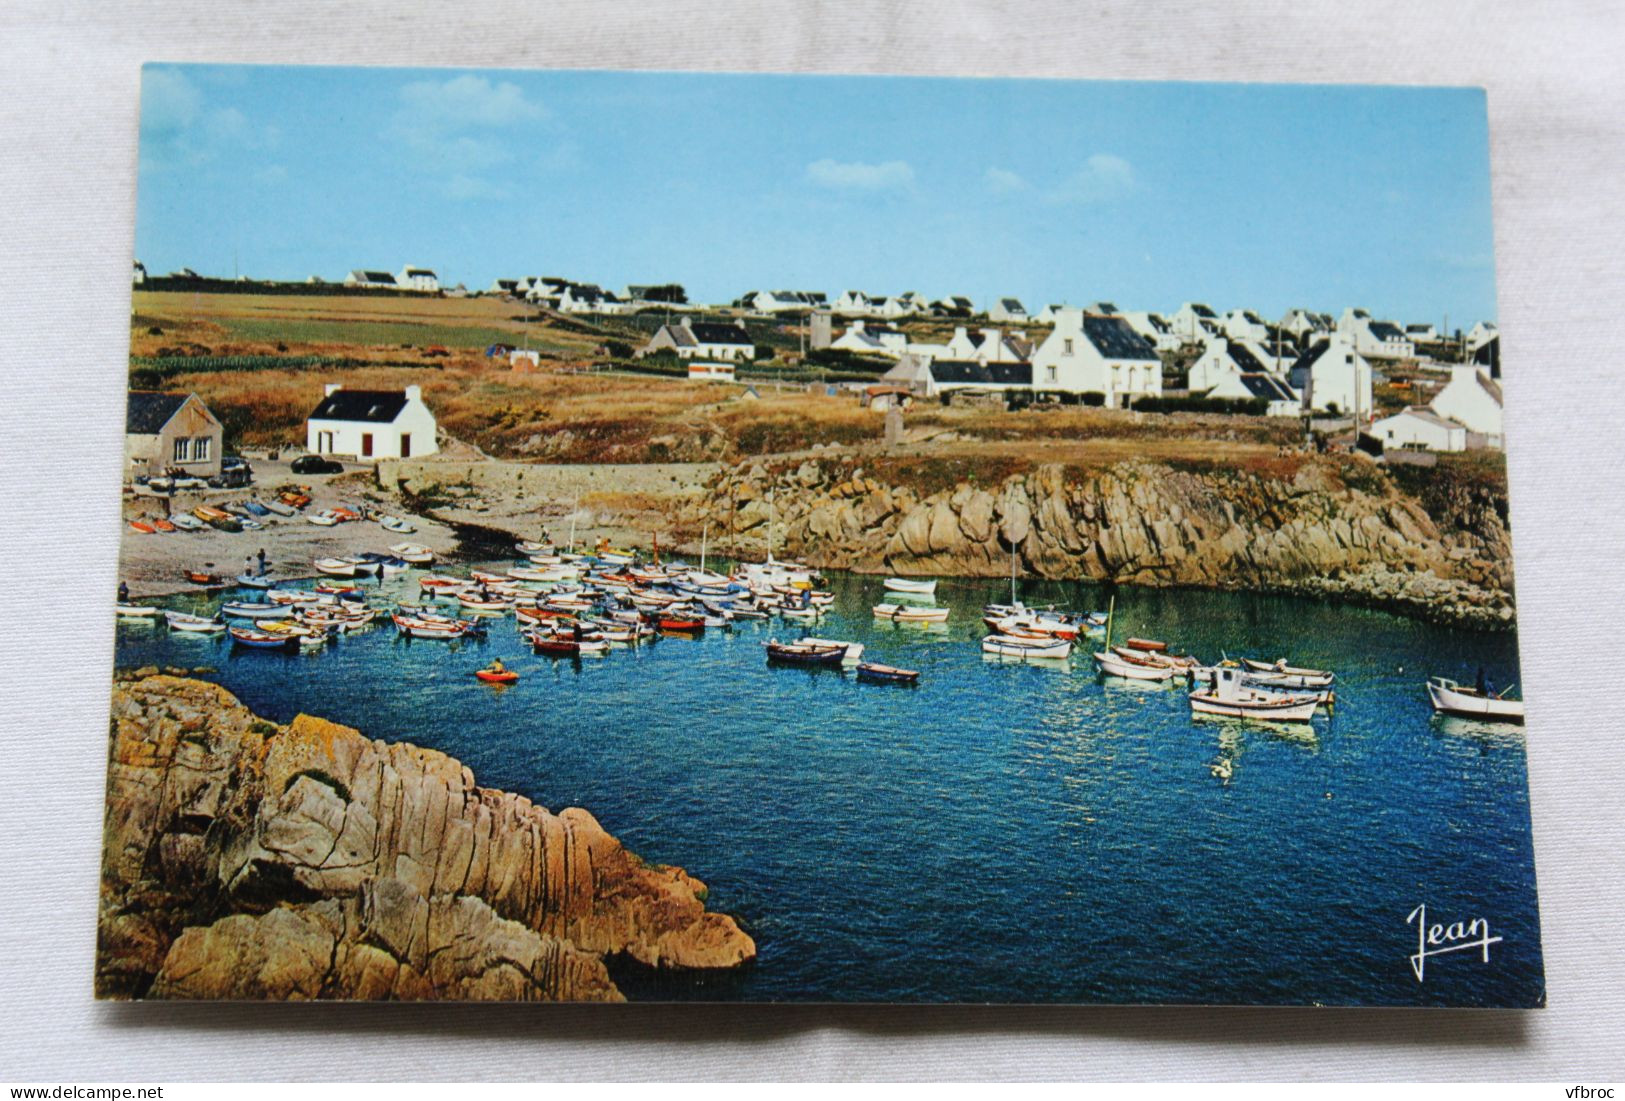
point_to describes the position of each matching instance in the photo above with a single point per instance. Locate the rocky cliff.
(1320, 526)
(243, 859)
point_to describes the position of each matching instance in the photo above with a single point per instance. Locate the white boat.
(854, 650)
(281, 508)
(415, 554)
(326, 518)
(243, 609)
(396, 524)
(196, 624)
(906, 613)
(811, 611)
(1450, 698)
(1027, 649)
(336, 567)
(1114, 665)
(185, 522)
(1311, 678)
(1228, 695)
(911, 585)
(135, 611)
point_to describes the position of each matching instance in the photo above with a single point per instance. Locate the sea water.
(1003, 831)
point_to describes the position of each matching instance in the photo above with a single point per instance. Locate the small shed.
(170, 433)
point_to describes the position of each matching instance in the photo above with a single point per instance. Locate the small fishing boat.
(1031, 626)
(905, 613)
(186, 523)
(680, 624)
(1149, 645)
(1450, 698)
(1113, 664)
(219, 519)
(911, 585)
(1178, 662)
(804, 653)
(198, 577)
(263, 640)
(344, 515)
(412, 553)
(396, 524)
(294, 500)
(163, 526)
(1027, 649)
(243, 609)
(475, 603)
(1228, 696)
(336, 567)
(323, 519)
(254, 581)
(529, 547)
(385, 565)
(433, 628)
(854, 650)
(493, 676)
(281, 508)
(143, 528)
(809, 611)
(195, 624)
(875, 673)
(135, 611)
(254, 508)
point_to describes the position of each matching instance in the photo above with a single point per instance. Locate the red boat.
(144, 529)
(555, 646)
(1147, 644)
(540, 615)
(198, 578)
(507, 676)
(683, 624)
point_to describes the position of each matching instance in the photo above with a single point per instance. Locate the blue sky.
(1264, 196)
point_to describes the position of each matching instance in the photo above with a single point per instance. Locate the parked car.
(234, 472)
(315, 464)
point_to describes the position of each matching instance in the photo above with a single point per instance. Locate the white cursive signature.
(1436, 939)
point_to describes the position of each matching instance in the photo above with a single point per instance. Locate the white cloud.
(1002, 181)
(1103, 177)
(467, 101)
(179, 128)
(462, 186)
(891, 176)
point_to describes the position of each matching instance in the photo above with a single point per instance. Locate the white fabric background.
(68, 112)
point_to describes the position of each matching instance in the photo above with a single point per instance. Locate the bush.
(1255, 407)
(1094, 399)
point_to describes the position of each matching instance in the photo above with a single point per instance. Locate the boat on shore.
(135, 611)
(1450, 698)
(413, 553)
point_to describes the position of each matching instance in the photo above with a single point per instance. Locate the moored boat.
(905, 613)
(911, 585)
(1113, 664)
(875, 673)
(804, 653)
(135, 611)
(242, 609)
(1027, 649)
(264, 640)
(1227, 695)
(414, 553)
(195, 624)
(1450, 698)
(254, 581)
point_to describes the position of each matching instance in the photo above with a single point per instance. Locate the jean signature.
(1439, 939)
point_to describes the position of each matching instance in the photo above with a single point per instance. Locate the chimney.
(688, 322)
(414, 392)
(857, 326)
(959, 333)
(332, 388)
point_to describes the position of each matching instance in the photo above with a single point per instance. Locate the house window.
(1066, 346)
(200, 449)
(1049, 373)
(182, 446)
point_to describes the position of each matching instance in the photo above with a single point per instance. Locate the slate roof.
(967, 372)
(680, 335)
(1157, 322)
(419, 271)
(1426, 413)
(1490, 386)
(1489, 355)
(371, 406)
(1012, 305)
(1114, 338)
(373, 276)
(1261, 384)
(147, 411)
(1105, 307)
(1382, 330)
(1243, 357)
(1201, 310)
(710, 332)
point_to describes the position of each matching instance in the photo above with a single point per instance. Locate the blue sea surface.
(1003, 832)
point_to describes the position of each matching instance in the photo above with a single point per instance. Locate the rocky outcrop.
(243, 859)
(1333, 527)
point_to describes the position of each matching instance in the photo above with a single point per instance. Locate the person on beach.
(248, 566)
(262, 561)
(123, 592)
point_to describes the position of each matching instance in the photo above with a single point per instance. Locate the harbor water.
(1002, 832)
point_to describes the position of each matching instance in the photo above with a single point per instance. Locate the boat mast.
(1013, 573)
(575, 507)
(704, 534)
(772, 515)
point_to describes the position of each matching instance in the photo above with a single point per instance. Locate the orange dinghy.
(507, 676)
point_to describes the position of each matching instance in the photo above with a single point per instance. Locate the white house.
(702, 340)
(504, 286)
(782, 301)
(1473, 400)
(955, 305)
(1193, 320)
(1154, 328)
(361, 278)
(1105, 309)
(1302, 323)
(1375, 339)
(1086, 353)
(371, 424)
(588, 298)
(1260, 386)
(418, 279)
(867, 339)
(549, 289)
(1007, 309)
(1480, 334)
(1417, 426)
(139, 274)
(1224, 359)
(893, 307)
(1245, 325)
(1336, 375)
(1421, 333)
(1046, 316)
(854, 303)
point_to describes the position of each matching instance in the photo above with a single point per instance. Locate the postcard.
(596, 536)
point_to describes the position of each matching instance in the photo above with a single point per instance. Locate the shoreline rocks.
(1328, 529)
(243, 859)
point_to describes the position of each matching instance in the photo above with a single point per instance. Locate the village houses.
(701, 340)
(1086, 353)
(1222, 359)
(376, 280)
(1416, 427)
(1337, 377)
(869, 338)
(170, 433)
(1473, 400)
(1280, 400)
(1008, 310)
(1375, 339)
(1193, 321)
(371, 424)
(418, 279)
